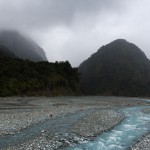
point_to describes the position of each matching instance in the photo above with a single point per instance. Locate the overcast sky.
(74, 29)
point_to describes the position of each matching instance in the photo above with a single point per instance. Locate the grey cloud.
(74, 29)
(39, 13)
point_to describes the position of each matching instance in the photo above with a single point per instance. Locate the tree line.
(23, 77)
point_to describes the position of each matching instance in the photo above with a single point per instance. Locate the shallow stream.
(134, 126)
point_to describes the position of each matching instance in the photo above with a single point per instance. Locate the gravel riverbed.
(98, 122)
(18, 113)
(14, 122)
(85, 128)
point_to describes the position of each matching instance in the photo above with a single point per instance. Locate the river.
(134, 126)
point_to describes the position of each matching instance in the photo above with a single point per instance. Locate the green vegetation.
(119, 68)
(26, 78)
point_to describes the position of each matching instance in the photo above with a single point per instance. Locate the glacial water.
(122, 136)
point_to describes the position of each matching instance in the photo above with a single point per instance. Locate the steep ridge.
(118, 68)
(21, 46)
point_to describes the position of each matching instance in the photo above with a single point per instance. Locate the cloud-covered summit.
(74, 29)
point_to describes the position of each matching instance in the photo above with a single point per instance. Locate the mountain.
(118, 68)
(21, 46)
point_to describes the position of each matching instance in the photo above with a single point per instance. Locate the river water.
(135, 124)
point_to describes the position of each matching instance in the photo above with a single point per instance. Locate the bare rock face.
(21, 46)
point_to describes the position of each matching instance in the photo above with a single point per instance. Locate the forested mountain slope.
(118, 68)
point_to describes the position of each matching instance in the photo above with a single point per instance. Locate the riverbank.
(18, 113)
(144, 142)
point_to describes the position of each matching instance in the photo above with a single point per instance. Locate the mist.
(73, 30)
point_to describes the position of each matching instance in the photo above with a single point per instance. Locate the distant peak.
(123, 40)
(120, 41)
(21, 45)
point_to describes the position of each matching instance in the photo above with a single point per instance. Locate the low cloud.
(74, 29)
